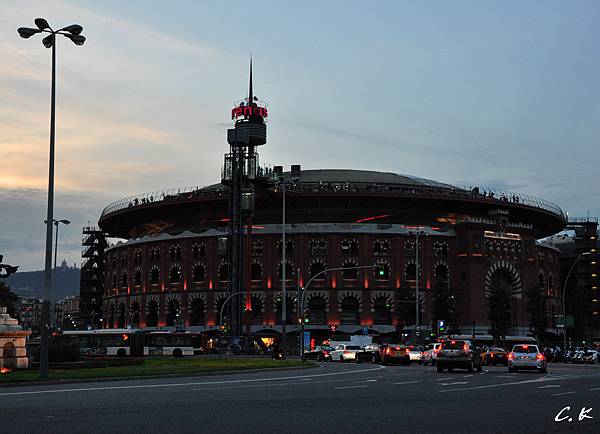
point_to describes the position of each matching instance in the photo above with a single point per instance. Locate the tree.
(443, 307)
(499, 309)
(536, 308)
(405, 307)
(8, 299)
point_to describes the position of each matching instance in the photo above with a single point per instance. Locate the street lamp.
(73, 32)
(417, 305)
(563, 300)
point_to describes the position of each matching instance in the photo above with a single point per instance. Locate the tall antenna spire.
(250, 93)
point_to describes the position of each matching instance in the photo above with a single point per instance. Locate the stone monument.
(13, 353)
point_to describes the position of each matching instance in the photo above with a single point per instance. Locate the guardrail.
(464, 192)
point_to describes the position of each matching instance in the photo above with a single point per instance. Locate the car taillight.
(465, 348)
(491, 354)
(397, 348)
(346, 352)
(387, 350)
(325, 353)
(539, 356)
(511, 356)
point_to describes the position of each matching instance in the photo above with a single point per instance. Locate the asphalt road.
(331, 398)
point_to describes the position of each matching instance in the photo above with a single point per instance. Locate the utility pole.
(283, 289)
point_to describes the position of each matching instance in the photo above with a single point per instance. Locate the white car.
(430, 353)
(344, 352)
(416, 353)
(526, 356)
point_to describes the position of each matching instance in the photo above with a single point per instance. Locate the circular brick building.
(173, 265)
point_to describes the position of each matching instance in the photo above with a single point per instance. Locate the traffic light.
(381, 270)
(306, 316)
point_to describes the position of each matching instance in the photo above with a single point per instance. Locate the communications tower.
(249, 116)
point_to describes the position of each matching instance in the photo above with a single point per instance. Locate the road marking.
(442, 379)
(595, 388)
(548, 386)
(467, 376)
(456, 382)
(564, 393)
(514, 383)
(200, 383)
(407, 382)
(348, 387)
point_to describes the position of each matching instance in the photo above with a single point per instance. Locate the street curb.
(143, 377)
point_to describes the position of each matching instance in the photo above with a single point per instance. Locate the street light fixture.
(73, 32)
(56, 222)
(563, 300)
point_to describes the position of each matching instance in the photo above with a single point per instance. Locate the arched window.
(134, 310)
(152, 315)
(317, 311)
(349, 272)
(349, 247)
(382, 271)
(256, 271)
(289, 311)
(541, 280)
(317, 247)
(173, 312)
(114, 282)
(381, 311)
(350, 313)
(289, 271)
(381, 248)
(197, 312)
(440, 273)
(257, 311)
(411, 272)
(257, 248)
(154, 276)
(289, 247)
(175, 274)
(121, 316)
(316, 268)
(198, 273)
(137, 278)
(124, 280)
(223, 272)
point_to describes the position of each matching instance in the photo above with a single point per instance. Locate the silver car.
(526, 356)
(343, 353)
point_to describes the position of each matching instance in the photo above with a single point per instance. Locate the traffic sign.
(365, 331)
(418, 328)
(418, 333)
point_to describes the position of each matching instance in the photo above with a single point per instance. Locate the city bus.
(133, 342)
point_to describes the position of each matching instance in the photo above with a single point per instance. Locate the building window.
(175, 274)
(124, 280)
(316, 268)
(154, 276)
(256, 271)
(382, 271)
(137, 278)
(411, 272)
(381, 248)
(289, 271)
(317, 247)
(257, 248)
(154, 254)
(197, 312)
(349, 247)
(199, 273)
(223, 271)
(350, 311)
(440, 249)
(289, 247)
(349, 272)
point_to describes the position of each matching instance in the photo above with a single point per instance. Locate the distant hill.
(31, 283)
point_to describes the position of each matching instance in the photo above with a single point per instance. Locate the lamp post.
(283, 289)
(56, 223)
(73, 32)
(563, 300)
(417, 304)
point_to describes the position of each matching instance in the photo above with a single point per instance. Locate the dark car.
(496, 356)
(392, 354)
(319, 352)
(369, 352)
(460, 354)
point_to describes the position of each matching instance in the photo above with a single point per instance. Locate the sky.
(498, 94)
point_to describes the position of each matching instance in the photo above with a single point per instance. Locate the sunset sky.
(500, 94)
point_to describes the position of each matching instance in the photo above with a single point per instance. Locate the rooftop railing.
(458, 192)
